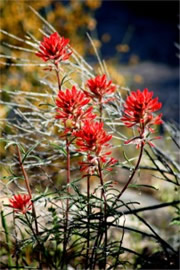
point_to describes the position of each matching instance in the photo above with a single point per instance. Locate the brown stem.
(99, 235)
(67, 201)
(132, 175)
(100, 109)
(88, 221)
(68, 165)
(24, 172)
(28, 187)
(68, 179)
(68, 182)
(105, 210)
(58, 76)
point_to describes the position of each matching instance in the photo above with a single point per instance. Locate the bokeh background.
(142, 37)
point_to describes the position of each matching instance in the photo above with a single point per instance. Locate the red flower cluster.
(93, 139)
(21, 203)
(100, 87)
(70, 105)
(138, 110)
(54, 48)
(139, 107)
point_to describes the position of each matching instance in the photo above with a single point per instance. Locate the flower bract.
(93, 140)
(54, 48)
(92, 137)
(138, 111)
(21, 203)
(70, 109)
(139, 107)
(100, 87)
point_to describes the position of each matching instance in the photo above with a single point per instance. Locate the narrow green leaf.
(126, 158)
(29, 151)
(5, 227)
(142, 186)
(60, 148)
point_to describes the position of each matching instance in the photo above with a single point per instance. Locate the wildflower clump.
(73, 226)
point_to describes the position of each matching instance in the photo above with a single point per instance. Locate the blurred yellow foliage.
(93, 4)
(71, 19)
(116, 77)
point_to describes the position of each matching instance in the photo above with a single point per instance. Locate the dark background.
(153, 28)
(150, 28)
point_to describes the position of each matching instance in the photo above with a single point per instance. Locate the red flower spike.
(100, 87)
(93, 140)
(92, 137)
(70, 105)
(21, 203)
(138, 110)
(54, 48)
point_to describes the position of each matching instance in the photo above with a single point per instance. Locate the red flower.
(100, 87)
(54, 48)
(93, 140)
(138, 110)
(21, 203)
(92, 137)
(70, 105)
(139, 107)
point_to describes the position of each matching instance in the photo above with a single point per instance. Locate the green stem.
(16, 241)
(3, 220)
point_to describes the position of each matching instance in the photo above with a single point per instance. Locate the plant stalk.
(105, 211)
(8, 241)
(88, 221)
(58, 76)
(30, 195)
(16, 241)
(68, 179)
(67, 202)
(132, 175)
(28, 187)
(100, 109)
